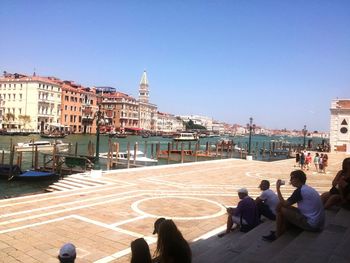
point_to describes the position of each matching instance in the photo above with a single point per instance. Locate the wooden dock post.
(182, 152)
(231, 148)
(152, 151)
(76, 149)
(19, 159)
(222, 149)
(12, 155)
(196, 151)
(169, 152)
(116, 147)
(207, 148)
(217, 149)
(145, 149)
(128, 153)
(53, 158)
(136, 146)
(36, 159)
(157, 150)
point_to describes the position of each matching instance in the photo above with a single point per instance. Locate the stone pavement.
(103, 219)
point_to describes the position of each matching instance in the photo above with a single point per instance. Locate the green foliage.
(191, 126)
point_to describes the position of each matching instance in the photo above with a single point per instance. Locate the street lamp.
(98, 124)
(304, 133)
(251, 128)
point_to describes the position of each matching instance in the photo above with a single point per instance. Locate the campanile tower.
(143, 90)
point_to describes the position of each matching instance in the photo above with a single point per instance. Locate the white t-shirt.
(270, 198)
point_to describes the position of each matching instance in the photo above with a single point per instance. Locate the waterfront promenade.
(102, 219)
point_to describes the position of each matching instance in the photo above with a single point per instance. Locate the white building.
(169, 123)
(205, 121)
(29, 102)
(340, 125)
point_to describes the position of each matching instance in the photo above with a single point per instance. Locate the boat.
(42, 146)
(10, 172)
(185, 137)
(123, 158)
(118, 135)
(53, 135)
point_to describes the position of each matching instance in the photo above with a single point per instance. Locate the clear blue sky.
(281, 62)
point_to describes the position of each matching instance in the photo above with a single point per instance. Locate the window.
(65, 107)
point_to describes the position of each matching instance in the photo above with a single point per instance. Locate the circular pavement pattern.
(178, 207)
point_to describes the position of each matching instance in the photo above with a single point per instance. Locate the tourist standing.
(308, 160)
(316, 159)
(325, 162)
(320, 163)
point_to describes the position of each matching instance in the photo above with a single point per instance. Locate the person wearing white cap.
(245, 215)
(67, 253)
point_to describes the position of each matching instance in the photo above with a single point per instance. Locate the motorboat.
(47, 146)
(185, 137)
(122, 157)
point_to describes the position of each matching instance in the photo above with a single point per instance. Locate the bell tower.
(143, 90)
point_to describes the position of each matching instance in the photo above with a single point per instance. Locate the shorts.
(295, 217)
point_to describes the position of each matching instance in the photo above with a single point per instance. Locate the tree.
(191, 126)
(9, 117)
(25, 119)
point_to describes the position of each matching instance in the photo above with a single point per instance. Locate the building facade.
(169, 123)
(29, 103)
(340, 125)
(121, 112)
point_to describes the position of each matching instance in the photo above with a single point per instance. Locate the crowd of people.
(305, 161)
(309, 215)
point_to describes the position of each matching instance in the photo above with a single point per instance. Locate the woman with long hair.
(340, 191)
(140, 251)
(171, 245)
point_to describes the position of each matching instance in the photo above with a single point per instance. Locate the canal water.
(19, 188)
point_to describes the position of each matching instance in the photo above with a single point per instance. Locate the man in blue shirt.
(310, 212)
(245, 215)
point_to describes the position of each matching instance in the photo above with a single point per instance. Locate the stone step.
(321, 248)
(260, 250)
(85, 180)
(226, 248)
(341, 253)
(63, 185)
(291, 252)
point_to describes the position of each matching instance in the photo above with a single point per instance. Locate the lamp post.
(251, 128)
(98, 124)
(304, 133)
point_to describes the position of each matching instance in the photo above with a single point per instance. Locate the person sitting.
(67, 253)
(267, 201)
(308, 216)
(339, 194)
(171, 245)
(140, 251)
(245, 215)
